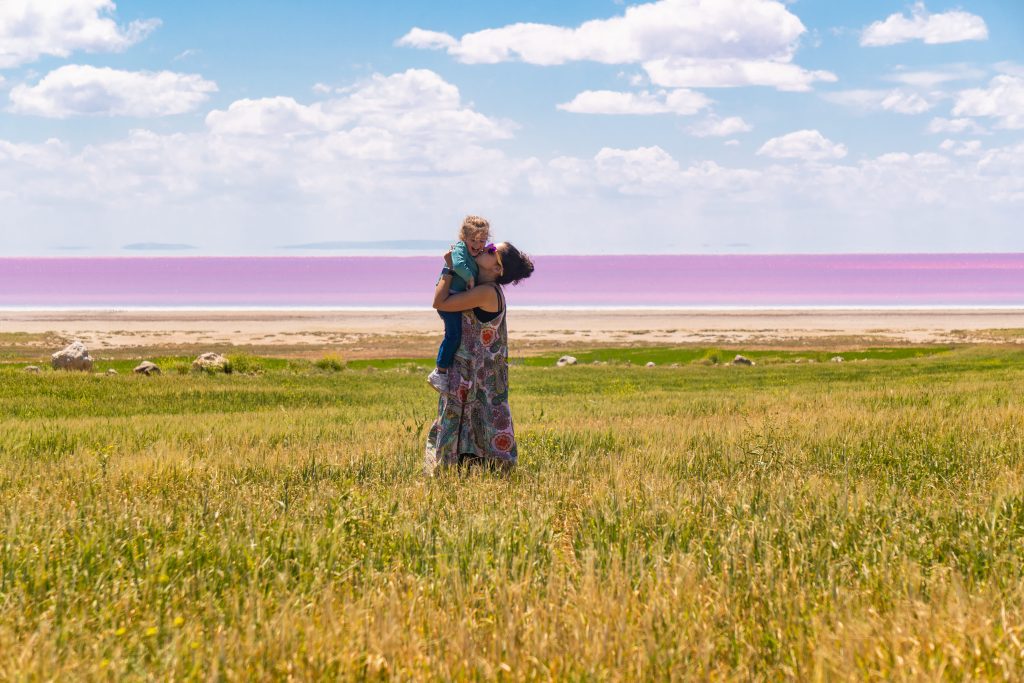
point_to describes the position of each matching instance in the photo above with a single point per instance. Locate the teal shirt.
(464, 266)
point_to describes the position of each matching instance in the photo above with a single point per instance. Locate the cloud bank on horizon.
(667, 126)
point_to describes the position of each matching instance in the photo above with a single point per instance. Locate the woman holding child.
(474, 423)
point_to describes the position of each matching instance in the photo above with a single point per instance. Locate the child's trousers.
(452, 338)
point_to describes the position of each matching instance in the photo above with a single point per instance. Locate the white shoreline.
(867, 308)
(408, 330)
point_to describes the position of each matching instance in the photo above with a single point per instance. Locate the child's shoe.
(438, 380)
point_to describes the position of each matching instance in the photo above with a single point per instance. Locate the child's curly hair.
(472, 226)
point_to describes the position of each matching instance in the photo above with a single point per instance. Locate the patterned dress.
(473, 417)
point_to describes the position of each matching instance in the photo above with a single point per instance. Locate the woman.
(474, 424)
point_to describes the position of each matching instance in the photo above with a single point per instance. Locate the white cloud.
(965, 148)
(715, 127)
(895, 100)
(79, 90)
(682, 72)
(679, 43)
(185, 54)
(414, 104)
(932, 78)
(645, 170)
(962, 125)
(681, 102)
(272, 116)
(809, 145)
(1003, 100)
(946, 27)
(1011, 68)
(30, 29)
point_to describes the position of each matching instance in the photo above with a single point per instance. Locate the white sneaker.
(438, 380)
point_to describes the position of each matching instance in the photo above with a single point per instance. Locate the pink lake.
(862, 280)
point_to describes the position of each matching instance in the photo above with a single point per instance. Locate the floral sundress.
(473, 416)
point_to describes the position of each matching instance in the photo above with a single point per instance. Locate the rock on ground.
(650, 364)
(565, 360)
(74, 356)
(111, 371)
(146, 368)
(210, 361)
(741, 360)
(837, 359)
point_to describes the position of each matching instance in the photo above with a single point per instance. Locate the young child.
(473, 236)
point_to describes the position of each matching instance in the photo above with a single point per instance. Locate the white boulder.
(74, 356)
(211, 362)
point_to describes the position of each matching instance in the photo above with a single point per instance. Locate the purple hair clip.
(490, 248)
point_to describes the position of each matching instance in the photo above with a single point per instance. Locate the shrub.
(245, 364)
(331, 363)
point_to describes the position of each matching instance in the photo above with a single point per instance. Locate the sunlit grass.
(829, 520)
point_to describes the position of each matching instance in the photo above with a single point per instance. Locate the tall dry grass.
(816, 522)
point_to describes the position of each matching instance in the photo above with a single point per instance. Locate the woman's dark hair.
(515, 266)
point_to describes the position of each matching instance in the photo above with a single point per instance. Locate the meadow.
(791, 520)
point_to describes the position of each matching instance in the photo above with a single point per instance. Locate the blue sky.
(671, 126)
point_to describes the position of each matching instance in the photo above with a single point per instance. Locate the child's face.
(476, 243)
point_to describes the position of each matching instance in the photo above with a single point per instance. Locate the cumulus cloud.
(945, 27)
(30, 29)
(415, 104)
(809, 145)
(961, 125)
(679, 43)
(721, 128)
(681, 102)
(896, 100)
(644, 170)
(1002, 100)
(79, 90)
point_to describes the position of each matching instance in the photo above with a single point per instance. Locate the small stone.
(837, 359)
(111, 371)
(32, 369)
(741, 360)
(565, 360)
(650, 364)
(146, 368)
(74, 356)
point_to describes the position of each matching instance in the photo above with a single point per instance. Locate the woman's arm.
(478, 297)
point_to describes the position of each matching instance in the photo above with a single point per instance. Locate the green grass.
(862, 520)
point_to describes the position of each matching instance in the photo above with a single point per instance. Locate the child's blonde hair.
(474, 225)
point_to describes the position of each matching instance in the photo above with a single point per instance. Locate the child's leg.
(452, 338)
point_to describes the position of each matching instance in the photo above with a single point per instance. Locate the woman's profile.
(474, 423)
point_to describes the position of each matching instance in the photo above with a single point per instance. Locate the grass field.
(856, 520)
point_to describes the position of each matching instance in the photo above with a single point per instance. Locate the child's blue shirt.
(464, 266)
